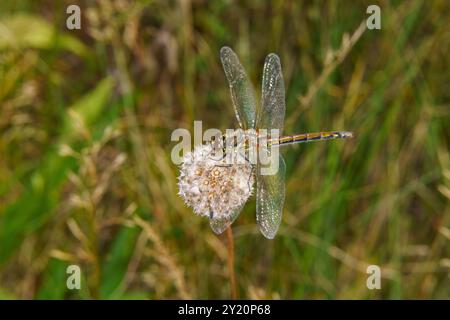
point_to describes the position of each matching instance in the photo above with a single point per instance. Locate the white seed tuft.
(212, 187)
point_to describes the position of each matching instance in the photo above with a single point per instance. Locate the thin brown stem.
(232, 274)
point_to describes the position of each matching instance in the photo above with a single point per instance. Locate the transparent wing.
(270, 200)
(242, 93)
(220, 225)
(270, 188)
(271, 115)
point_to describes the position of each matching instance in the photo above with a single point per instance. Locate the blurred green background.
(86, 176)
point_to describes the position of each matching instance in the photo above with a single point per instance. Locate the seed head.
(212, 187)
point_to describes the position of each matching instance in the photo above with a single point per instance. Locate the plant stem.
(230, 245)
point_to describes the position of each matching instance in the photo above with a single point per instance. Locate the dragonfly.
(269, 114)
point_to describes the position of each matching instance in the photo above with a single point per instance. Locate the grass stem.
(232, 274)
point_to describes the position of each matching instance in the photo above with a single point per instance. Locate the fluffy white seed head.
(212, 187)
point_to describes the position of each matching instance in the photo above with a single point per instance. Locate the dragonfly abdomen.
(308, 137)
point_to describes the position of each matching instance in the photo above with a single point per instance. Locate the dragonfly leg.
(212, 154)
(249, 178)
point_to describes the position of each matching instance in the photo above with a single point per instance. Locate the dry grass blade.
(164, 257)
(332, 60)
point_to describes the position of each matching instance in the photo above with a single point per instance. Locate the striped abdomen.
(307, 137)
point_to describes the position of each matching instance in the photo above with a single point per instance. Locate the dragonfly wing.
(220, 225)
(270, 188)
(273, 97)
(270, 200)
(242, 93)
